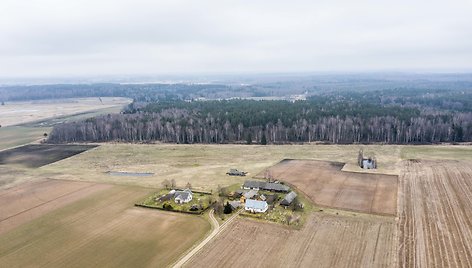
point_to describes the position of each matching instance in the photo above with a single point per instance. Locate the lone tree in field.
(172, 183)
(166, 183)
(360, 158)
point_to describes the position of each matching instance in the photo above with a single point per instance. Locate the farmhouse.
(288, 199)
(256, 206)
(268, 186)
(184, 196)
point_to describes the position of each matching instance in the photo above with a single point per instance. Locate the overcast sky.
(136, 37)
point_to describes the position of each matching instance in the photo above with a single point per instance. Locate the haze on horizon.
(123, 37)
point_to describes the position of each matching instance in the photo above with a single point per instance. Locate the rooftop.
(255, 204)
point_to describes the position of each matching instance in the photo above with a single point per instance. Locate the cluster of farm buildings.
(254, 196)
(257, 202)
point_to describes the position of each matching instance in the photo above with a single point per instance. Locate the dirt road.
(216, 230)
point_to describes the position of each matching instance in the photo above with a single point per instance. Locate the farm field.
(37, 155)
(204, 166)
(20, 135)
(31, 200)
(326, 185)
(17, 113)
(325, 241)
(435, 224)
(102, 229)
(101, 218)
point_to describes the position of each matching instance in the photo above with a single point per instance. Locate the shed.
(288, 199)
(235, 204)
(250, 194)
(271, 198)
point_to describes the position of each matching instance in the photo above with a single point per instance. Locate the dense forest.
(394, 116)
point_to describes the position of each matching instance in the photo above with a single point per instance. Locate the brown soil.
(326, 185)
(102, 230)
(31, 200)
(35, 155)
(325, 241)
(435, 225)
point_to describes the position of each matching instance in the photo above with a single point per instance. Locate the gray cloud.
(52, 37)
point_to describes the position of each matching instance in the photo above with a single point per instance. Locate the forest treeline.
(391, 116)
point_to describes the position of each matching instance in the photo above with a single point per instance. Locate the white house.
(256, 206)
(184, 196)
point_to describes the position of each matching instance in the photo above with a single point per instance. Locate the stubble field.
(325, 241)
(435, 223)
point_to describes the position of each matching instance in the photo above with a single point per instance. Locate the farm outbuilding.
(288, 199)
(268, 186)
(271, 198)
(235, 172)
(366, 162)
(235, 204)
(250, 194)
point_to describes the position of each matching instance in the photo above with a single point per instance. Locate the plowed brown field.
(325, 241)
(435, 225)
(326, 185)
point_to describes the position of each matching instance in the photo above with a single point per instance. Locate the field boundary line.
(44, 203)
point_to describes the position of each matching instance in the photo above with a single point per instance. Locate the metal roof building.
(288, 199)
(256, 205)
